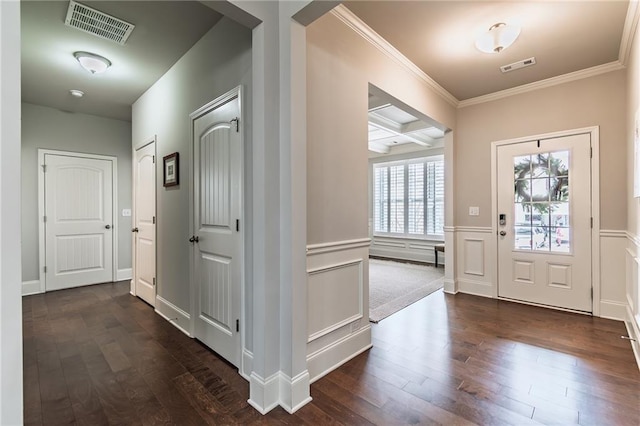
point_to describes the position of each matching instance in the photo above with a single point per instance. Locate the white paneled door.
(217, 168)
(144, 222)
(544, 222)
(78, 221)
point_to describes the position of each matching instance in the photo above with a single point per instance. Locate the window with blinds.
(409, 197)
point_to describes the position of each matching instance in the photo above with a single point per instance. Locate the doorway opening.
(406, 205)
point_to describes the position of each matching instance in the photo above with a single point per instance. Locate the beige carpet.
(395, 285)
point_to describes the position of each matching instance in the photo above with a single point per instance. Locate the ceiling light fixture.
(91, 62)
(499, 37)
(76, 93)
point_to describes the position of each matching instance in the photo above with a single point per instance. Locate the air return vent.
(517, 65)
(97, 23)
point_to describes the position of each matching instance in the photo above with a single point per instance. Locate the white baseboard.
(124, 274)
(450, 286)
(613, 310)
(176, 316)
(31, 287)
(633, 329)
(477, 288)
(337, 353)
(264, 393)
(247, 364)
(294, 392)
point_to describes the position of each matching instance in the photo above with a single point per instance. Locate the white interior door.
(217, 166)
(78, 221)
(544, 207)
(144, 223)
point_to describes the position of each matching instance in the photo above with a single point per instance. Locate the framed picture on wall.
(170, 173)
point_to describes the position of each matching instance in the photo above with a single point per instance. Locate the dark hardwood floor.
(96, 355)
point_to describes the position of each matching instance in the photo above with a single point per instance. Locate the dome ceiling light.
(499, 37)
(93, 63)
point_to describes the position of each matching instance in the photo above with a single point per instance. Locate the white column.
(450, 284)
(10, 252)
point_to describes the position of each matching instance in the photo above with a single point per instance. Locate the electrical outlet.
(126, 212)
(474, 211)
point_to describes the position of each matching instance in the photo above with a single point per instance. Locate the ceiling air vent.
(97, 23)
(517, 65)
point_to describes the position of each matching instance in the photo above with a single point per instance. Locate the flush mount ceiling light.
(76, 93)
(499, 37)
(91, 62)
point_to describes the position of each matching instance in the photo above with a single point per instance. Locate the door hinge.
(44, 219)
(237, 121)
(237, 225)
(44, 168)
(237, 325)
(591, 152)
(538, 143)
(154, 220)
(154, 281)
(591, 222)
(153, 157)
(591, 293)
(45, 269)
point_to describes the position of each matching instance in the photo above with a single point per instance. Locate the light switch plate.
(474, 211)
(126, 212)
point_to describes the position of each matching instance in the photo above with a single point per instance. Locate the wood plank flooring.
(96, 355)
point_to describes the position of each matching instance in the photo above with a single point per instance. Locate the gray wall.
(217, 63)
(49, 128)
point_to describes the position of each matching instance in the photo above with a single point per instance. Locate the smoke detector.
(92, 21)
(517, 65)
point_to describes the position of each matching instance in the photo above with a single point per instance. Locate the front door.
(217, 168)
(78, 194)
(144, 223)
(544, 222)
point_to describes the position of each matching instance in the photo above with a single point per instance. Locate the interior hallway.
(97, 355)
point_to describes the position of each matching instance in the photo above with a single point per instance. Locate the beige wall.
(633, 104)
(340, 66)
(595, 101)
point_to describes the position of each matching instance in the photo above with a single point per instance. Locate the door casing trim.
(594, 133)
(41, 207)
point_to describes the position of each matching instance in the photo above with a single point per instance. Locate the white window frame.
(406, 163)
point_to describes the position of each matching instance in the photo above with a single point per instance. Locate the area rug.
(395, 285)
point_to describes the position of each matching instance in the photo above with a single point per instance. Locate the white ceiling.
(439, 37)
(164, 31)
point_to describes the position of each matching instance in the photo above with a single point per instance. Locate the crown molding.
(367, 33)
(629, 31)
(549, 82)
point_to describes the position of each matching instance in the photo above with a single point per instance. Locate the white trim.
(477, 229)
(247, 364)
(612, 309)
(124, 274)
(540, 305)
(313, 249)
(633, 330)
(294, 392)
(612, 233)
(176, 316)
(450, 286)
(145, 142)
(330, 357)
(633, 238)
(41, 207)
(31, 287)
(475, 287)
(264, 393)
(542, 84)
(594, 133)
(628, 32)
(367, 33)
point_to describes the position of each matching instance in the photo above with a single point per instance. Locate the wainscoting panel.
(613, 266)
(413, 249)
(338, 304)
(632, 317)
(475, 262)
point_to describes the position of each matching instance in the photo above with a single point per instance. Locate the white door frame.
(594, 132)
(145, 142)
(41, 207)
(237, 91)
